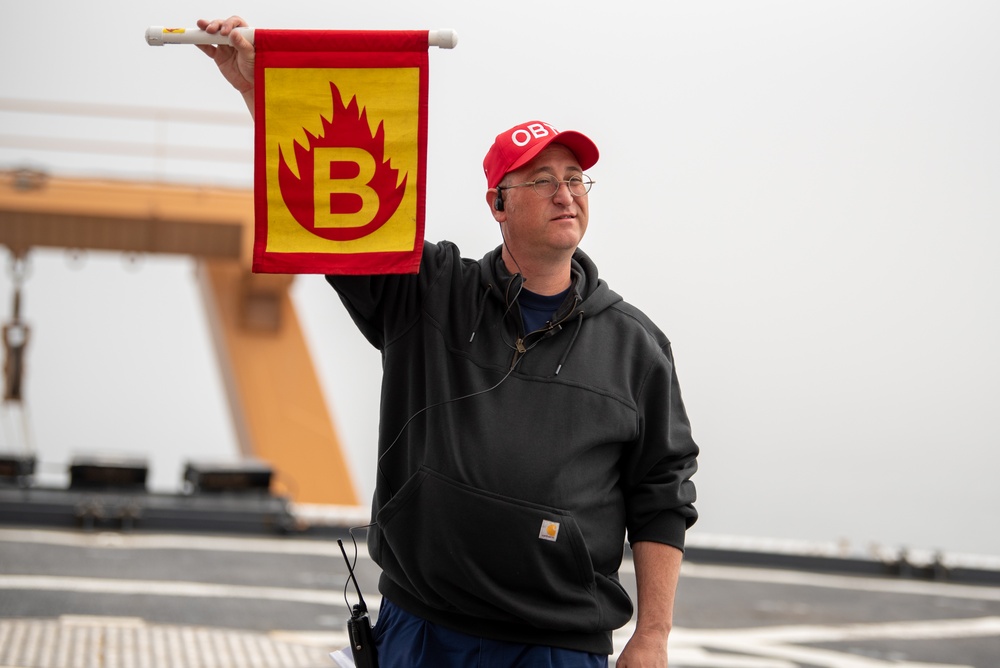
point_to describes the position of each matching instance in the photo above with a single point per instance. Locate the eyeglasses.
(548, 186)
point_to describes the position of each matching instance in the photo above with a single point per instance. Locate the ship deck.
(273, 595)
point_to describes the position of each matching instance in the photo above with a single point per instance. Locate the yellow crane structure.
(277, 405)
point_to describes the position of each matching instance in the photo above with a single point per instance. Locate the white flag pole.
(159, 35)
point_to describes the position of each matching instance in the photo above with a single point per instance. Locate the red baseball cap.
(516, 147)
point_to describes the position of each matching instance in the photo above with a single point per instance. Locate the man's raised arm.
(235, 61)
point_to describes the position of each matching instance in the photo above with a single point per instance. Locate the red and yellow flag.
(340, 151)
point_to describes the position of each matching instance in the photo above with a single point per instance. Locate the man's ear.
(494, 198)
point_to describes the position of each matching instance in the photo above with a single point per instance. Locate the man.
(530, 420)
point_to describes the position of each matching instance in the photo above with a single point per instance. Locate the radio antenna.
(360, 608)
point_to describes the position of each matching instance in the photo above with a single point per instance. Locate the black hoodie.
(512, 464)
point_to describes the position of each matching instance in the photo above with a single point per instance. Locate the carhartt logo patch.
(550, 530)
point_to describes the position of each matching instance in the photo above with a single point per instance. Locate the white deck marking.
(166, 588)
(784, 646)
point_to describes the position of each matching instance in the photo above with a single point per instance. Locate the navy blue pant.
(407, 641)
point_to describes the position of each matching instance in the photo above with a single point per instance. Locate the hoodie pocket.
(463, 550)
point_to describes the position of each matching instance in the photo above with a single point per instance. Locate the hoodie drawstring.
(576, 332)
(480, 312)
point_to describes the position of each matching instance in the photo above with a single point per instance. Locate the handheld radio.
(359, 626)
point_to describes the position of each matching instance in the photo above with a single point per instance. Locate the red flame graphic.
(348, 128)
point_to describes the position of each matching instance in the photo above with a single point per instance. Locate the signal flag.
(340, 151)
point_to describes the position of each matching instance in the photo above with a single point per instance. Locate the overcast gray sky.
(803, 195)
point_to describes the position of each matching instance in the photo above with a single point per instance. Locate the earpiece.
(498, 202)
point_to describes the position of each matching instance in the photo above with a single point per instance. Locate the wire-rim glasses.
(548, 186)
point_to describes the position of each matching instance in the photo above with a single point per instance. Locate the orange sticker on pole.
(340, 151)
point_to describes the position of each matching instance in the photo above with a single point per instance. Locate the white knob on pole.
(445, 39)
